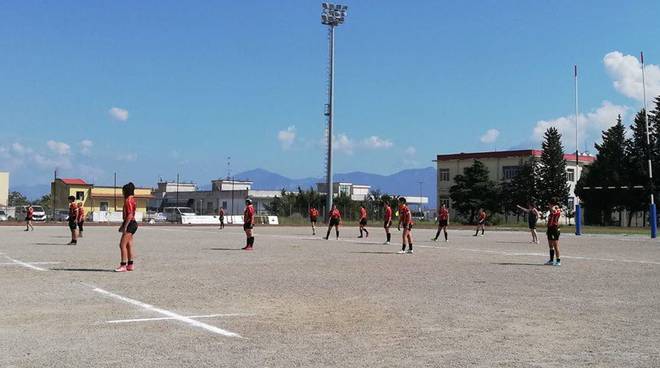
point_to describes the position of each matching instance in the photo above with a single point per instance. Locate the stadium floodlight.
(332, 15)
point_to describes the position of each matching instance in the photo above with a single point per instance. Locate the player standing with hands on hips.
(387, 222)
(553, 234)
(405, 219)
(73, 220)
(127, 229)
(248, 223)
(335, 220)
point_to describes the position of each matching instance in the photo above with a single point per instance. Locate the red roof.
(74, 181)
(514, 153)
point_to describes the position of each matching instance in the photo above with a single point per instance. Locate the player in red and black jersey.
(221, 217)
(28, 218)
(405, 219)
(387, 221)
(443, 221)
(363, 222)
(481, 224)
(248, 224)
(73, 218)
(335, 220)
(313, 217)
(81, 219)
(127, 229)
(553, 235)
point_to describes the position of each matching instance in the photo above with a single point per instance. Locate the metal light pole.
(578, 208)
(177, 189)
(332, 15)
(653, 220)
(420, 195)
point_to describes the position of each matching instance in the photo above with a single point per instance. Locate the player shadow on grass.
(377, 252)
(518, 264)
(224, 249)
(50, 244)
(82, 269)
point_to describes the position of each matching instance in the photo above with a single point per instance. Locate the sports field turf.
(195, 300)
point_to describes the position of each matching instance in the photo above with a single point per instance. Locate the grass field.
(195, 300)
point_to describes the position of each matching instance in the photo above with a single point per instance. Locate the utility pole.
(653, 219)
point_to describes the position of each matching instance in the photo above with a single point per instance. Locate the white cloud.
(490, 136)
(590, 125)
(86, 146)
(375, 142)
(410, 151)
(287, 137)
(626, 72)
(126, 157)
(118, 114)
(342, 143)
(59, 148)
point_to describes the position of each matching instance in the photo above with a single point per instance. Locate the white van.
(38, 215)
(173, 214)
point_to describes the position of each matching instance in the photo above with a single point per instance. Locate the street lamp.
(332, 15)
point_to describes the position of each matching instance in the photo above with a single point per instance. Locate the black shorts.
(312, 220)
(482, 222)
(222, 219)
(407, 226)
(532, 225)
(387, 224)
(363, 222)
(334, 222)
(553, 233)
(28, 218)
(442, 223)
(73, 225)
(249, 226)
(80, 225)
(131, 228)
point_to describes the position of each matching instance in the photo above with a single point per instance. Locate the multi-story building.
(502, 166)
(357, 192)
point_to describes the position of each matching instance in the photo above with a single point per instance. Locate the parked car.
(418, 216)
(155, 217)
(38, 215)
(173, 214)
(61, 215)
(3, 215)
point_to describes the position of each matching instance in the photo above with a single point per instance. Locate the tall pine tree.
(474, 190)
(552, 170)
(637, 151)
(609, 170)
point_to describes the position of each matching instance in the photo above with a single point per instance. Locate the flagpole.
(653, 220)
(578, 208)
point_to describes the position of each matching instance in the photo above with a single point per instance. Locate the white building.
(4, 189)
(357, 192)
(225, 193)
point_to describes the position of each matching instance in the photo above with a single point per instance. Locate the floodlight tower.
(332, 15)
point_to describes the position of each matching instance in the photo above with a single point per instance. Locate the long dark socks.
(437, 234)
(552, 254)
(410, 247)
(337, 231)
(389, 236)
(445, 235)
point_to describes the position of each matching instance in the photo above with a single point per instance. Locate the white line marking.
(32, 263)
(167, 313)
(25, 264)
(171, 318)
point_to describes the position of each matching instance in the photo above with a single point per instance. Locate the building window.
(570, 174)
(444, 201)
(80, 196)
(443, 174)
(510, 172)
(104, 206)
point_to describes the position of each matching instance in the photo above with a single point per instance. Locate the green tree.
(474, 190)
(610, 169)
(552, 170)
(45, 201)
(17, 199)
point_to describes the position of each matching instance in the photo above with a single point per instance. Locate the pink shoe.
(121, 269)
(130, 267)
(247, 247)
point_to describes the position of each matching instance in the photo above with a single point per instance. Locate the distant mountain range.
(404, 182)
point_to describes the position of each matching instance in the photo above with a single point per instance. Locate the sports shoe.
(386, 243)
(549, 263)
(557, 263)
(446, 240)
(247, 247)
(434, 239)
(130, 267)
(401, 252)
(27, 230)
(409, 251)
(360, 237)
(367, 235)
(481, 235)
(121, 269)
(325, 237)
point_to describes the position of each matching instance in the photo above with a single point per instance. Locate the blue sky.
(150, 88)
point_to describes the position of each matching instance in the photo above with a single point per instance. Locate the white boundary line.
(32, 263)
(167, 313)
(171, 318)
(24, 264)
